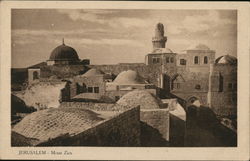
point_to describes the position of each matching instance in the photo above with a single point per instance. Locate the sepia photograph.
(114, 78)
(123, 77)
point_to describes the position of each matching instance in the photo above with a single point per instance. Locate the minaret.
(63, 41)
(159, 40)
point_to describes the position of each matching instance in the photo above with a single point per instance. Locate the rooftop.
(54, 122)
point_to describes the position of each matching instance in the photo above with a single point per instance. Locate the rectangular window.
(167, 59)
(156, 60)
(96, 89)
(182, 62)
(172, 60)
(230, 86)
(196, 60)
(90, 89)
(205, 60)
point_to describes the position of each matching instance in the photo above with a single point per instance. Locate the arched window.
(205, 59)
(35, 75)
(196, 60)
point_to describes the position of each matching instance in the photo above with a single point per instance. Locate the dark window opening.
(35, 75)
(196, 60)
(205, 60)
(90, 89)
(182, 62)
(167, 59)
(198, 86)
(172, 59)
(230, 86)
(96, 89)
(156, 60)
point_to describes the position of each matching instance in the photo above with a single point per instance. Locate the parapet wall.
(121, 130)
(89, 105)
(149, 72)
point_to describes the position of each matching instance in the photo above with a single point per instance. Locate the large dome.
(93, 72)
(140, 98)
(129, 77)
(64, 52)
(226, 59)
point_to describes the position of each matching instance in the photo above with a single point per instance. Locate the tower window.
(167, 60)
(230, 86)
(182, 62)
(220, 83)
(172, 60)
(196, 60)
(205, 60)
(156, 60)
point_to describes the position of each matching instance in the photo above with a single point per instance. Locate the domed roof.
(129, 77)
(199, 47)
(54, 122)
(226, 59)
(64, 52)
(162, 50)
(140, 98)
(93, 72)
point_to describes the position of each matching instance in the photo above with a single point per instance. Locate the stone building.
(62, 63)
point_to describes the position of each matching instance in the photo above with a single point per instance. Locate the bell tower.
(159, 40)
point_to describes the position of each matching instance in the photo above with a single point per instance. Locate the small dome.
(140, 98)
(93, 72)
(64, 52)
(162, 50)
(128, 77)
(199, 47)
(54, 122)
(226, 59)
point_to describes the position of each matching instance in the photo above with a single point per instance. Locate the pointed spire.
(63, 41)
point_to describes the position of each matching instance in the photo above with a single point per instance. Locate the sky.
(117, 36)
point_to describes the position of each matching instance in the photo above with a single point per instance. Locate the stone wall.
(63, 71)
(121, 130)
(154, 127)
(148, 72)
